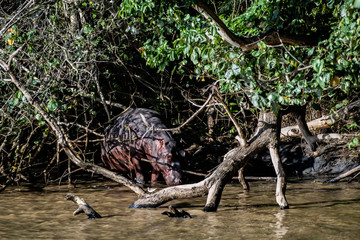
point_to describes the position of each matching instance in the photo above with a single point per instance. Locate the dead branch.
(12, 20)
(102, 97)
(177, 129)
(84, 207)
(214, 184)
(81, 126)
(323, 122)
(344, 175)
(241, 136)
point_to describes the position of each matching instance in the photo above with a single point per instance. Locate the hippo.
(135, 148)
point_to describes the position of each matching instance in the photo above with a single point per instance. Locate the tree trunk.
(280, 182)
(245, 185)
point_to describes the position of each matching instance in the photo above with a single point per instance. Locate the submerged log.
(84, 207)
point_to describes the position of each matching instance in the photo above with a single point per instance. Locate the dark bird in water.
(173, 212)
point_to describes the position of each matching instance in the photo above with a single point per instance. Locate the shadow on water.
(326, 203)
(323, 204)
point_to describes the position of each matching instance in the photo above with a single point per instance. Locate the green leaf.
(236, 69)
(18, 94)
(318, 65)
(52, 105)
(261, 45)
(273, 97)
(311, 51)
(357, 4)
(233, 55)
(228, 74)
(194, 56)
(38, 117)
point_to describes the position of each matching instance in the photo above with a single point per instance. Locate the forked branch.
(271, 38)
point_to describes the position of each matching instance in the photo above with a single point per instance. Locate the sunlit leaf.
(52, 105)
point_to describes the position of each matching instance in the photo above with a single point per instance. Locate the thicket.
(86, 61)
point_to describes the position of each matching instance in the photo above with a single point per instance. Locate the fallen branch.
(344, 175)
(84, 207)
(323, 122)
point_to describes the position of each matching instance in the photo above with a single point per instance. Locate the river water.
(317, 211)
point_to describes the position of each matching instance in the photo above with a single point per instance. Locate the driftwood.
(84, 207)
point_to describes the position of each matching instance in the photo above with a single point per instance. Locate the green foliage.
(68, 48)
(269, 76)
(355, 143)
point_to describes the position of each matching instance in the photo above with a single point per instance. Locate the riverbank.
(331, 158)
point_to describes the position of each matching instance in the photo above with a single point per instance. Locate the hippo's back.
(131, 125)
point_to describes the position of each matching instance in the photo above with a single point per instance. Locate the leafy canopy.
(269, 76)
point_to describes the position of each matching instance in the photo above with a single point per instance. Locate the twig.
(241, 136)
(80, 126)
(288, 52)
(29, 4)
(102, 96)
(344, 175)
(177, 129)
(67, 174)
(356, 175)
(13, 55)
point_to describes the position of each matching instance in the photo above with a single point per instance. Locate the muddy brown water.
(317, 211)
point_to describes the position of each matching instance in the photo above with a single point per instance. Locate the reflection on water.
(317, 211)
(280, 229)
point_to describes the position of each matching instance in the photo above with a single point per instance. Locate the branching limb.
(271, 38)
(9, 23)
(102, 97)
(344, 175)
(323, 122)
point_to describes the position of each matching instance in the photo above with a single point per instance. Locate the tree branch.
(241, 136)
(8, 24)
(182, 125)
(323, 122)
(271, 38)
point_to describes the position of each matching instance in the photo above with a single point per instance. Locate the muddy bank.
(330, 159)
